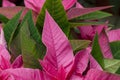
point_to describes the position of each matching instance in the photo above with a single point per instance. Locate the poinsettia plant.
(57, 40)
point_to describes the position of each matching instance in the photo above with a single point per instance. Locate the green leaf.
(3, 18)
(76, 24)
(30, 52)
(10, 27)
(56, 10)
(35, 34)
(15, 47)
(96, 51)
(112, 65)
(94, 15)
(115, 48)
(79, 44)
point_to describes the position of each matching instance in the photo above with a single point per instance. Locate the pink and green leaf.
(58, 53)
(57, 12)
(76, 12)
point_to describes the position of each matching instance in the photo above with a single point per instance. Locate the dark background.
(115, 19)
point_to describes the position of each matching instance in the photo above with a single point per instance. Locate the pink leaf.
(80, 64)
(68, 3)
(22, 74)
(4, 64)
(4, 58)
(87, 32)
(81, 60)
(77, 77)
(61, 74)
(114, 35)
(104, 45)
(9, 12)
(4, 53)
(59, 52)
(7, 3)
(2, 39)
(35, 5)
(95, 74)
(6, 76)
(94, 64)
(78, 5)
(76, 12)
(18, 62)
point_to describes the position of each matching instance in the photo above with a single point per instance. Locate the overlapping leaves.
(24, 39)
(57, 12)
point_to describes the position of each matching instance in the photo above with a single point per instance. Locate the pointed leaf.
(15, 47)
(3, 18)
(76, 24)
(18, 62)
(38, 4)
(79, 44)
(94, 15)
(111, 65)
(35, 35)
(94, 64)
(96, 51)
(56, 9)
(76, 12)
(59, 52)
(28, 47)
(2, 38)
(7, 3)
(10, 27)
(104, 44)
(115, 47)
(4, 57)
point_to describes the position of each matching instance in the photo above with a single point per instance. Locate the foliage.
(57, 41)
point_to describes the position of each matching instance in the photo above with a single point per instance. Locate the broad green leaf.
(15, 47)
(76, 24)
(10, 27)
(3, 18)
(29, 49)
(111, 65)
(79, 44)
(94, 15)
(56, 10)
(115, 48)
(35, 35)
(96, 51)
